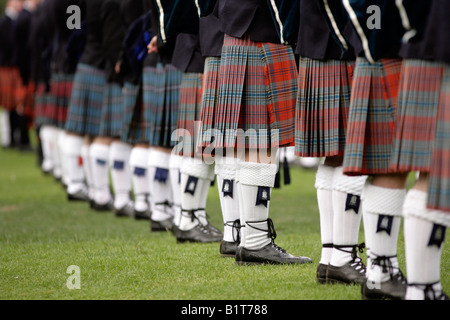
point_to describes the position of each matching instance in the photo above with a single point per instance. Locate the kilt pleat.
(58, 98)
(418, 99)
(209, 100)
(189, 112)
(86, 101)
(256, 93)
(371, 120)
(41, 100)
(439, 177)
(323, 100)
(111, 123)
(133, 124)
(161, 98)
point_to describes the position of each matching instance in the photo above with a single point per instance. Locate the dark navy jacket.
(7, 51)
(316, 37)
(187, 56)
(376, 43)
(429, 25)
(211, 38)
(248, 18)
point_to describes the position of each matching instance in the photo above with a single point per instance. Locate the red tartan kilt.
(9, 87)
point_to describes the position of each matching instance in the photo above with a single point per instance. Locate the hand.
(152, 47)
(117, 67)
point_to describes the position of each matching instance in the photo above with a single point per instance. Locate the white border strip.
(277, 16)
(161, 21)
(359, 29)
(334, 24)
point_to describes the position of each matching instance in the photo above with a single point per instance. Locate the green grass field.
(42, 234)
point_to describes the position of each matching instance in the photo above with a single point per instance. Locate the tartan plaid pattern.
(418, 98)
(256, 93)
(189, 111)
(86, 101)
(41, 100)
(58, 102)
(209, 99)
(161, 98)
(111, 123)
(133, 125)
(10, 83)
(323, 101)
(439, 177)
(371, 120)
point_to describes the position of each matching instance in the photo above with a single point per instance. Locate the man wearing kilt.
(66, 50)
(254, 117)
(85, 107)
(9, 73)
(161, 85)
(325, 77)
(196, 175)
(24, 111)
(420, 106)
(41, 48)
(107, 153)
(211, 41)
(370, 135)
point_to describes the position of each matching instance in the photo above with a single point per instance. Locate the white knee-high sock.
(139, 177)
(195, 179)
(5, 128)
(324, 187)
(99, 157)
(160, 187)
(256, 181)
(87, 168)
(45, 135)
(72, 151)
(175, 182)
(424, 236)
(57, 169)
(119, 162)
(229, 198)
(347, 216)
(382, 210)
(201, 210)
(61, 144)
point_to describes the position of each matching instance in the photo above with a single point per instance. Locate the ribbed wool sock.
(256, 181)
(324, 187)
(382, 210)
(139, 177)
(99, 156)
(423, 245)
(347, 216)
(72, 151)
(160, 187)
(229, 197)
(119, 162)
(175, 182)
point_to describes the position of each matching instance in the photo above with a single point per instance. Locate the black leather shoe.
(199, 234)
(126, 211)
(228, 249)
(164, 225)
(102, 207)
(321, 273)
(353, 272)
(394, 288)
(269, 254)
(141, 215)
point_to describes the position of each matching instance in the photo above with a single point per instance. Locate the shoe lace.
(236, 225)
(271, 233)
(356, 261)
(430, 293)
(385, 263)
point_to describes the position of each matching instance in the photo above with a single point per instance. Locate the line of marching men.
(141, 109)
